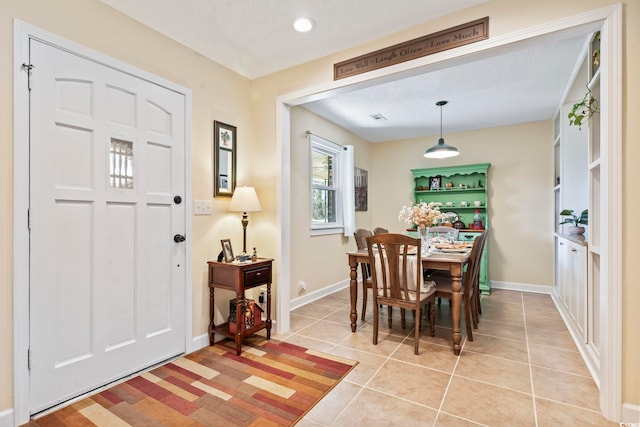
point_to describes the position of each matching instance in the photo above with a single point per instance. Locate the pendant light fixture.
(441, 150)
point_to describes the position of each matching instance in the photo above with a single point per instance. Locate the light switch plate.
(202, 207)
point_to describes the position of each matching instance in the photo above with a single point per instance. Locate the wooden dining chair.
(360, 237)
(476, 293)
(380, 230)
(397, 280)
(444, 286)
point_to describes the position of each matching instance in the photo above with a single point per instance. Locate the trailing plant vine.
(583, 110)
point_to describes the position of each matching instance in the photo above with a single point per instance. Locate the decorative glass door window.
(121, 164)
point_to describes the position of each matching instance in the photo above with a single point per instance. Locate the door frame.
(610, 18)
(22, 34)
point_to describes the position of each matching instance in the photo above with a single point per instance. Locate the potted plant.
(571, 218)
(583, 110)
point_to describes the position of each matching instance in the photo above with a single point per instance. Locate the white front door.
(107, 279)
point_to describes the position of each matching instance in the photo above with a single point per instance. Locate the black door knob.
(177, 200)
(179, 238)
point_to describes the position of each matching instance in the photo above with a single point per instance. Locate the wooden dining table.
(453, 262)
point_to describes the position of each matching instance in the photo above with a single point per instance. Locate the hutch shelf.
(461, 191)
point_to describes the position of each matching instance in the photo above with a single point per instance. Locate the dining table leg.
(353, 288)
(456, 305)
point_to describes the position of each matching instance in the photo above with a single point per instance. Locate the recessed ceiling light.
(304, 24)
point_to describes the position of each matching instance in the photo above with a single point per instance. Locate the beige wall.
(219, 94)
(519, 186)
(306, 251)
(506, 17)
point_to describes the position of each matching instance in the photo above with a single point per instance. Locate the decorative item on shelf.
(571, 218)
(478, 223)
(423, 215)
(449, 185)
(251, 314)
(441, 150)
(583, 110)
(254, 256)
(458, 224)
(435, 182)
(244, 200)
(595, 54)
(227, 251)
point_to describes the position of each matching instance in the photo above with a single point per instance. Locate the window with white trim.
(326, 212)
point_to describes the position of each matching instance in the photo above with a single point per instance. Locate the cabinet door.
(579, 283)
(563, 272)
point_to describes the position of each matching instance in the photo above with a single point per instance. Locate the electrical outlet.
(302, 287)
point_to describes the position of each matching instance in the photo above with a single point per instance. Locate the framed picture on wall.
(224, 149)
(360, 185)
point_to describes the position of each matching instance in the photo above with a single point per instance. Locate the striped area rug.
(271, 383)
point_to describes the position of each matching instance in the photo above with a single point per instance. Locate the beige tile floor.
(521, 369)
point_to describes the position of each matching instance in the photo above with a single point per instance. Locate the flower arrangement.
(422, 215)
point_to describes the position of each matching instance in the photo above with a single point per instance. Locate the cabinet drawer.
(257, 276)
(467, 236)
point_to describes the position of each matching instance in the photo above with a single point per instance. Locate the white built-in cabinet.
(572, 282)
(577, 178)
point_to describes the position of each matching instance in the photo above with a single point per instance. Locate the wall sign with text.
(427, 45)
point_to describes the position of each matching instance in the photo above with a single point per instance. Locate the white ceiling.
(255, 38)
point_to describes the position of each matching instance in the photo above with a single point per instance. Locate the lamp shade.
(441, 150)
(245, 199)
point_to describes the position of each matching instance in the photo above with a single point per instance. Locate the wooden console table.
(238, 277)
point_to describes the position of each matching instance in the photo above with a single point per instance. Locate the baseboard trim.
(522, 287)
(630, 415)
(316, 295)
(199, 342)
(6, 418)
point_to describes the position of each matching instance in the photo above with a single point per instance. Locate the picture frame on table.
(435, 182)
(227, 250)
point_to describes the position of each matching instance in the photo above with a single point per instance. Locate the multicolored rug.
(271, 383)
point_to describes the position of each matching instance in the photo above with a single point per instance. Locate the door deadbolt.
(179, 238)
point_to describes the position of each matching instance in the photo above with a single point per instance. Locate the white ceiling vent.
(377, 116)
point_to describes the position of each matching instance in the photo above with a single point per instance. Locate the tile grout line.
(526, 340)
(446, 390)
(365, 385)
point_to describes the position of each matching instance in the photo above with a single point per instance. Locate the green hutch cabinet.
(460, 189)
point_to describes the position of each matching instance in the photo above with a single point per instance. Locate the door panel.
(107, 281)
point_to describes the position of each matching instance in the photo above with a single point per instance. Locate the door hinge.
(29, 68)
(28, 219)
(29, 358)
